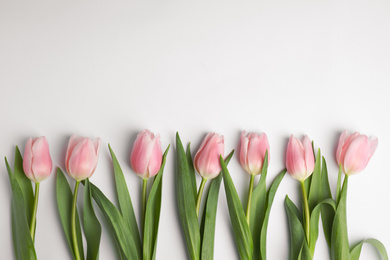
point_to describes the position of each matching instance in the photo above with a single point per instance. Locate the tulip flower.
(253, 148)
(252, 152)
(300, 165)
(207, 161)
(37, 163)
(81, 160)
(146, 156)
(37, 166)
(82, 157)
(300, 158)
(354, 151)
(146, 159)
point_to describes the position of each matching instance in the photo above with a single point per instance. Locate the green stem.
(338, 187)
(199, 197)
(74, 235)
(144, 189)
(306, 211)
(34, 213)
(248, 208)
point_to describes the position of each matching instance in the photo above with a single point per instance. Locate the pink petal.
(357, 155)
(244, 143)
(295, 159)
(141, 153)
(73, 141)
(42, 163)
(27, 160)
(309, 156)
(83, 160)
(343, 137)
(156, 158)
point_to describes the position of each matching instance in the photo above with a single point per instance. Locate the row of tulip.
(136, 241)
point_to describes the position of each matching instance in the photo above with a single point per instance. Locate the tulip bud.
(300, 158)
(252, 152)
(82, 157)
(207, 158)
(37, 164)
(354, 151)
(146, 156)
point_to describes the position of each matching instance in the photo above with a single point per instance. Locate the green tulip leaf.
(258, 208)
(270, 198)
(314, 219)
(64, 204)
(152, 214)
(186, 203)
(297, 234)
(355, 253)
(25, 184)
(92, 228)
(304, 253)
(209, 216)
(124, 239)
(23, 244)
(339, 238)
(327, 213)
(315, 186)
(241, 230)
(124, 199)
(191, 170)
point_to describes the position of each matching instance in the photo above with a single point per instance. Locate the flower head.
(82, 157)
(252, 152)
(37, 163)
(146, 156)
(354, 151)
(207, 158)
(300, 158)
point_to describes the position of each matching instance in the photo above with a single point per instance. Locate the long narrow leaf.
(315, 186)
(152, 214)
(191, 170)
(258, 208)
(355, 253)
(314, 219)
(241, 230)
(270, 198)
(23, 244)
(24, 183)
(64, 203)
(186, 203)
(124, 199)
(92, 228)
(327, 213)
(209, 216)
(339, 243)
(297, 234)
(118, 226)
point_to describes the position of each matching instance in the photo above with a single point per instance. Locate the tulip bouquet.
(353, 154)
(199, 239)
(147, 161)
(36, 166)
(80, 162)
(250, 228)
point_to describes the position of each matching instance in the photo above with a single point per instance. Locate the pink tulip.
(252, 152)
(354, 151)
(146, 156)
(82, 157)
(300, 158)
(207, 158)
(37, 164)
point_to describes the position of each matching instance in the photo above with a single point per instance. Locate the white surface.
(113, 68)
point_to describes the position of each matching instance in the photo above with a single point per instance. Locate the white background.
(113, 68)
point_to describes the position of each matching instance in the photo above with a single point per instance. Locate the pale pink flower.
(146, 156)
(37, 163)
(252, 152)
(300, 158)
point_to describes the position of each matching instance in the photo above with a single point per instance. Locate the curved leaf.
(152, 214)
(186, 203)
(355, 253)
(124, 199)
(241, 230)
(191, 170)
(23, 244)
(92, 228)
(327, 213)
(297, 234)
(209, 216)
(118, 226)
(64, 203)
(314, 196)
(270, 198)
(339, 238)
